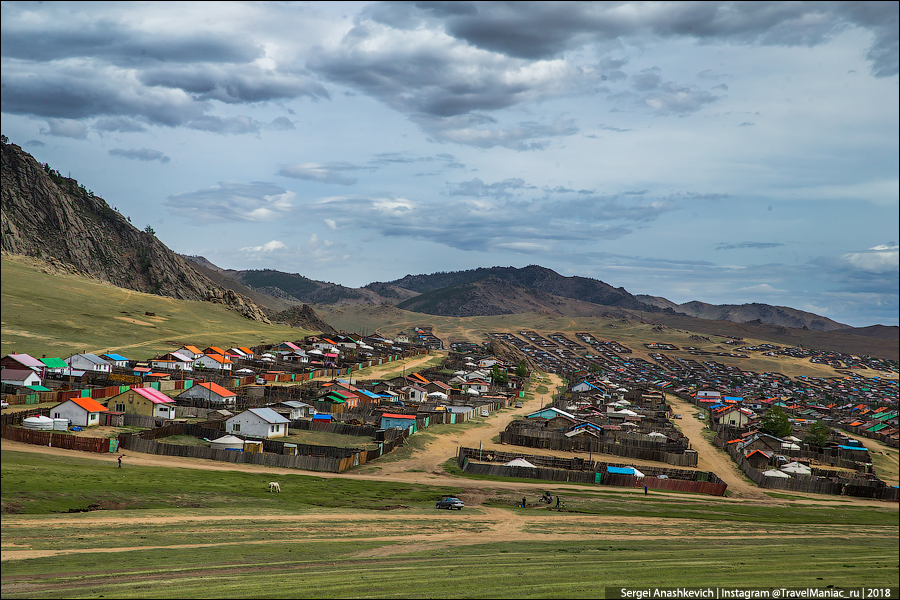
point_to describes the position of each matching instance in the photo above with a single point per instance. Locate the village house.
(21, 361)
(173, 361)
(115, 360)
(258, 422)
(414, 393)
(293, 409)
(89, 362)
(209, 392)
(20, 377)
(143, 401)
(83, 412)
(214, 362)
(192, 352)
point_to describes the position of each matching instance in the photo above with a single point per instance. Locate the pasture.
(60, 315)
(158, 532)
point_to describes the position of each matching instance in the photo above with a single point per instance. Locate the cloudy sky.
(722, 152)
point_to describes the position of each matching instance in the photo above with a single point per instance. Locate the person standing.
(523, 502)
(557, 502)
(120, 461)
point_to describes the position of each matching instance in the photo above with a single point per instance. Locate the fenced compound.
(303, 456)
(842, 486)
(58, 439)
(16, 418)
(578, 470)
(673, 454)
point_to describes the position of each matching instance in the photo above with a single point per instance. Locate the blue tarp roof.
(116, 356)
(621, 470)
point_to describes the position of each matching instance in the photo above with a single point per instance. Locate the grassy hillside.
(58, 315)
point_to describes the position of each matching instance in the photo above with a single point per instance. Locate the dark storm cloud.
(232, 202)
(536, 31)
(118, 44)
(232, 84)
(103, 67)
(145, 154)
(748, 245)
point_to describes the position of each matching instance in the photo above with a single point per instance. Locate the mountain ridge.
(48, 216)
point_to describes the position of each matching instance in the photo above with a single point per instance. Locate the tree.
(775, 422)
(817, 434)
(149, 230)
(522, 369)
(499, 376)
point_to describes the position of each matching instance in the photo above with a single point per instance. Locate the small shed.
(389, 420)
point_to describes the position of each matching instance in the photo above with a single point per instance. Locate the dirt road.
(710, 458)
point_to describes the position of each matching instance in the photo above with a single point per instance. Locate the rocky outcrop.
(304, 318)
(47, 216)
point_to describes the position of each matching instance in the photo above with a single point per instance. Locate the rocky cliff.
(48, 216)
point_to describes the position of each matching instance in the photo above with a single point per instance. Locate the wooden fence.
(583, 443)
(58, 439)
(309, 457)
(843, 486)
(575, 470)
(16, 418)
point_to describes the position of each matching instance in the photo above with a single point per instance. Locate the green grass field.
(62, 315)
(183, 533)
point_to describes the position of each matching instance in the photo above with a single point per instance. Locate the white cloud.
(267, 247)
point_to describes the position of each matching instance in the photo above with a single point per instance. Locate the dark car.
(449, 502)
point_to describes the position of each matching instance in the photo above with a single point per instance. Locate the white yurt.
(39, 423)
(519, 462)
(227, 442)
(776, 473)
(796, 468)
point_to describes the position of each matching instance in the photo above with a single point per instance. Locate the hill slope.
(48, 216)
(745, 313)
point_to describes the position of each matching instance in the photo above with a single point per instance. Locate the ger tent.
(776, 473)
(519, 462)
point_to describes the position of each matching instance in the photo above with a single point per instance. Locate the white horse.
(274, 486)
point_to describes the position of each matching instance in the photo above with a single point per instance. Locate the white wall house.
(84, 412)
(20, 377)
(89, 362)
(215, 362)
(258, 422)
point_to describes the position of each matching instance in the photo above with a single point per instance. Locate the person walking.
(645, 490)
(120, 461)
(557, 502)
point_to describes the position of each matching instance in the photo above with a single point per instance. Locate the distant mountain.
(302, 289)
(48, 216)
(492, 296)
(532, 277)
(747, 313)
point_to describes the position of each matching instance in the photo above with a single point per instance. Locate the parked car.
(484, 412)
(518, 405)
(449, 502)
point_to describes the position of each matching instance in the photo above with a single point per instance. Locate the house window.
(236, 427)
(120, 408)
